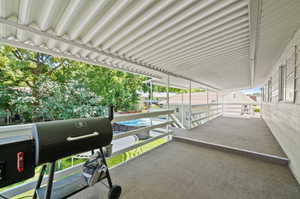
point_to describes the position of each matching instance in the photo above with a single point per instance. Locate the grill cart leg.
(39, 182)
(107, 172)
(50, 180)
(114, 190)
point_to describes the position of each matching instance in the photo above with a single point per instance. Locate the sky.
(251, 91)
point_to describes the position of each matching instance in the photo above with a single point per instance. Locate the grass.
(257, 110)
(115, 160)
(67, 162)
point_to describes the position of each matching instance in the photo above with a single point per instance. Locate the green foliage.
(43, 87)
(157, 88)
(115, 87)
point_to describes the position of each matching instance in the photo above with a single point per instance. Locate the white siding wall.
(284, 118)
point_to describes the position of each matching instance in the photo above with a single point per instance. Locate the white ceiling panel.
(279, 22)
(221, 44)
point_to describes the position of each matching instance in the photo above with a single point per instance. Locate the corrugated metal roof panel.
(205, 40)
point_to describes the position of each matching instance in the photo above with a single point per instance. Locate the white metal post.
(208, 107)
(217, 103)
(151, 99)
(168, 85)
(222, 105)
(182, 112)
(190, 104)
(168, 105)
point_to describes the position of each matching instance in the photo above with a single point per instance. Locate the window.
(290, 76)
(275, 87)
(269, 99)
(265, 93)
(282, 83)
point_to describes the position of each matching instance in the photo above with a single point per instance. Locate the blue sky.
(251, 91)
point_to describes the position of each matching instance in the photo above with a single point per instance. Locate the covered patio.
(203, 171)
(212, 46)
(251, 134)
(180, 170)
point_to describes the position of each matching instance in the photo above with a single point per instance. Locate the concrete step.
(263, 156)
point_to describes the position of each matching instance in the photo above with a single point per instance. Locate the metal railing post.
(217, 96)
(182, 112)
(222, 105)
(190, 104)
(168, 105)
(208, 106)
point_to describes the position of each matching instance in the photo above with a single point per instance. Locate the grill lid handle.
(70, 139)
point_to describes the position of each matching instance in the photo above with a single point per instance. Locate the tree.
(23, 68)
(44, 81)
(116, 88)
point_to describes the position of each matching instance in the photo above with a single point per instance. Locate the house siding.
(284, 118)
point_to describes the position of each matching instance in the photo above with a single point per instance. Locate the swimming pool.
(141, 122)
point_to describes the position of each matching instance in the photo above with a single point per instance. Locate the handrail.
(205, 117)
(211, 104)
(198, 112)
(237, 110)
(140, 144)
(240, 103)
(118, 118)
(140, 130)
(20, 127)
(133, 116)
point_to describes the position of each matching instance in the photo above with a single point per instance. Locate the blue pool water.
(140, 122)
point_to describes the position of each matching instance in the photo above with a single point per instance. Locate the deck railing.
(202, 113)
(166, 133)
(199, 115)
(241, 109)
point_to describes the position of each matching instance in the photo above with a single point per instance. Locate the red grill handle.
(20, 161)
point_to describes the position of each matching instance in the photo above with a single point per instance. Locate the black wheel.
(114, 192)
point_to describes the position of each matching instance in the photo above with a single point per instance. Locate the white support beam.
(73, 57)
(254, 22)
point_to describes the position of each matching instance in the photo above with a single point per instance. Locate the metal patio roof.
(224, 44)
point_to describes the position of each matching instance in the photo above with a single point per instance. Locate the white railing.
(26, 130)
(241, 109)
(202, 113)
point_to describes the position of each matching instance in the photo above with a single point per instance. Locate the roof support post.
(208, 106)
(168, 105)
(190, 104)
(254, 16)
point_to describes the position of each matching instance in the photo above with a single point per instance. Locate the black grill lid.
(58, 139)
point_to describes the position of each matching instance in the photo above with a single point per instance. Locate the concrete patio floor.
(178, 170)
(245, 133)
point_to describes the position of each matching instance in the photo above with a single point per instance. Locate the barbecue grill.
(52, 141)
(58, 139)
